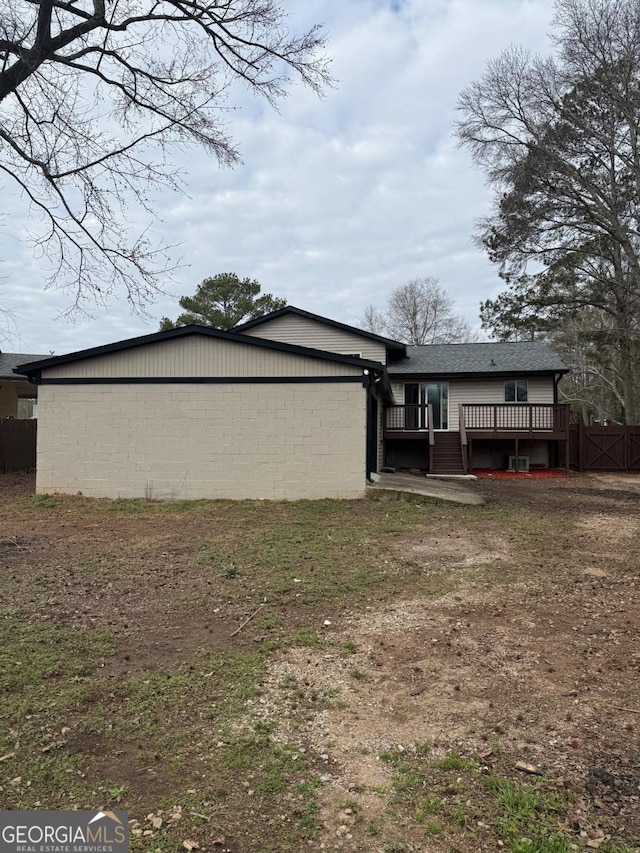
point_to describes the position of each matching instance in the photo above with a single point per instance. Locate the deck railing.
(516, 417)
(483, 417)
(463, 439)
(407, 418)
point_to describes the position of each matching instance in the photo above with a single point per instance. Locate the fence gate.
(605, 448)
(633, 448)
(17, 445)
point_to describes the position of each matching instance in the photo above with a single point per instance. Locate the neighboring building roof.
(298, 312)
(475, 359)
(34, 367)
(10, 360)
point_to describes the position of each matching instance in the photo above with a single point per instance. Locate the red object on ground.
(535, 474)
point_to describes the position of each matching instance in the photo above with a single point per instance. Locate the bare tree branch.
(419, 312)
(559, 139)
(89, 90)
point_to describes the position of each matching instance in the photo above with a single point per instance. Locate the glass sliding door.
(417, 396)
(437, 394)
(413, 417)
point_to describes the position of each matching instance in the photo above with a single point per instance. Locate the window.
(27, 408)
(515, 391)
(417, 396)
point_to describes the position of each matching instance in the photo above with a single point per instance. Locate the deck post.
(462, 430)
(517, 449)
(431, 437)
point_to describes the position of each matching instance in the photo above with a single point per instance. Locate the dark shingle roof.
(9, 360)
(484, 358)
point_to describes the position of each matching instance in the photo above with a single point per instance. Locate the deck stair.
(447, 454)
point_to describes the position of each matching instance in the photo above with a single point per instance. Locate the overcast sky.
(338, 200)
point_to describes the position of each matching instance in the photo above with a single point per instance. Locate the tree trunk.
(630, 376)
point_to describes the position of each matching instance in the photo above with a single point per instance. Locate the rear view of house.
(455, 406)
(483, 406)
(291, 405)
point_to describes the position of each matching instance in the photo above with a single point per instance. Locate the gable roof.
(34, 368)
(10, 360)
(488, 359)
(298, 312)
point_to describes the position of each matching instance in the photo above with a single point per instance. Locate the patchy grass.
(126, 682)
(449, 794)
(527, 817)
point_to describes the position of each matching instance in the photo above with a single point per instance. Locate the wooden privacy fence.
(17, 445)
(604, 448)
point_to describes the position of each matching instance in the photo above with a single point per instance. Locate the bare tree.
(559, 139)
(592, 387)
(92, 96)
(419, 312)
(373, 320)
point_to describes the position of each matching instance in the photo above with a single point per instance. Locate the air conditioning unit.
(523, 463)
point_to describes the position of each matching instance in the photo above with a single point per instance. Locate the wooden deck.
(516, 420)
(482, 420)
(477, 421)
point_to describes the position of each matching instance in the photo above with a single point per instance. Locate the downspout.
(371, 427)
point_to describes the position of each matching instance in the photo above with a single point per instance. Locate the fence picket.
(17, 445)
(604, 448)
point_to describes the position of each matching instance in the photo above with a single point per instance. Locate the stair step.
(447, 454)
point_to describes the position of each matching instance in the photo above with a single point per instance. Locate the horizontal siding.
(304, 332)
(198, 357)
(398, 391)
(540, 390)
(483, 391)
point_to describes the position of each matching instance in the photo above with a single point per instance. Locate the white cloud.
(338, 199)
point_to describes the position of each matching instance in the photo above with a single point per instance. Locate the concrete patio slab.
(444, 490)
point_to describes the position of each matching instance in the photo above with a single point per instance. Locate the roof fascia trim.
(36, 367)
(503, 374)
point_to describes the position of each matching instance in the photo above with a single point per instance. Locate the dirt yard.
(403, 656)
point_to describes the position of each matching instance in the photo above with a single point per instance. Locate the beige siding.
(398, 391)
(278, 441)
(198, 356)
(540, 390)
(8, 399)
(292, 329)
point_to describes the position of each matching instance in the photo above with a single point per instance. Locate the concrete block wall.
(173, 441)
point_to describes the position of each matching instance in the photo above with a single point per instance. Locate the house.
(456, 406)
(291, 405)
(17, 394)
(195, 412)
